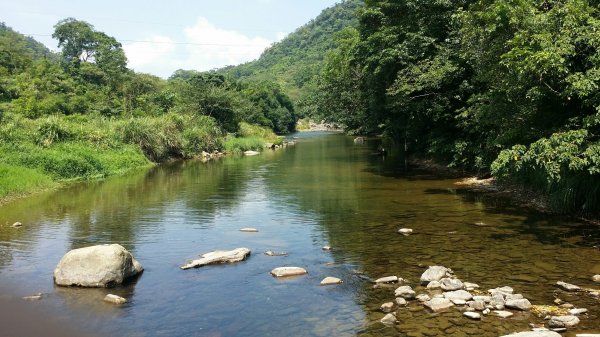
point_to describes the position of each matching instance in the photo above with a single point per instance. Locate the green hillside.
(296, 61)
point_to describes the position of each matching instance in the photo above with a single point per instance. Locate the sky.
(160, 37)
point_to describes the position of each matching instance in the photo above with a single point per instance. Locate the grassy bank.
(41, 154)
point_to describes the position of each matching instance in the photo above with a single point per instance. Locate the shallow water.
(324, 191)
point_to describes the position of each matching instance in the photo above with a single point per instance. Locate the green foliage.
(16, 180)
(239, 145)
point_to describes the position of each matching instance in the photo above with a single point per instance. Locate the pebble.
(17, 225)
(472, 315)
(400, 301)
(114, 299)
(423, 297)
(330, 281)
(486, 311)
(249, 230)
(327, 248)
(387, 307)
(389, 319)
(405, 231)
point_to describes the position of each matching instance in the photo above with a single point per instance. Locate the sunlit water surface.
(324, 191)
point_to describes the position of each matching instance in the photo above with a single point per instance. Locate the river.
(326, 190)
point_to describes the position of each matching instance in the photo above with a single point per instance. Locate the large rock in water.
(219, 256)
(434, 273)
(96, 266)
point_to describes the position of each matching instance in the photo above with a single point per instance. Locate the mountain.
(296, 60)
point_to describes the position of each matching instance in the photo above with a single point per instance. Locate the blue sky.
(162, 36)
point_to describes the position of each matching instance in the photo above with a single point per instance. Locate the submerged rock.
(96, 266)
(114, 299)
(567, 286)
(437, 304)
(503, 314)
(326, 248)
(288, 271)
(34, 297)
(249, 230)
(388, 279)
(219, 256)
(272, 253)
(434, 273)
(330, 281)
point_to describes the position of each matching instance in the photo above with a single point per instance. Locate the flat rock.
(219, 256)
(251, 153)
(503, 313)
(567, 286)
(249, 230)
(458, 295)
(423, 297)
(459, 302)
(387, 307)
(405, 292)
(330, 281)
(114, 299)
(577, 311)
(450, 284)
(543, 333)
(434, 273)
(472, 315)
(272, 253)
(501, 290)
(596, 278)
(405, 231)
(519, 304)
(388, 279)
(471, 286)
(563, 321)
(438, 304)
(96, 266)
(389, 319)
(288, 271)
(434, 285)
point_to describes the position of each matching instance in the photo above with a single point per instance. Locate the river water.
(324, 191)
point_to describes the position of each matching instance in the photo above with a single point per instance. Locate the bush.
(52, 130)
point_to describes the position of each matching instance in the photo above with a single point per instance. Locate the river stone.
(472, 315)
(502, 290)
(17, 225)
(405, 231)
(459, 302)
(577, 311)
(273, 253)
(477, 305)
(434, 273)
(509, 297)
(471, 286)
(520, 304)
(503, 313)
(423, 298)
(405, 292)
(330, 281)
(110, 298)
(387, 307)
(326, 248)
(544, 333)
(389, 319)
(219, 256)
(596, 278)
(437, 304)
(449, 284)
(288, 271)
(249, 230)
(251, 153)
(34, 297)
(563, 321)
(567, 286)
(486, 311)
(434, 285)
(400, 301)
(485, 299)
(96, 266)
(388, 279)
(458, 295)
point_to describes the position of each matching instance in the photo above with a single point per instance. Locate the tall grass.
(238, 145)
(16, 180)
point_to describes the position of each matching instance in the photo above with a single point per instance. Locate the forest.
(506, 88)
(82, 114)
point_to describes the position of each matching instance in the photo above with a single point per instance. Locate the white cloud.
(205, 47)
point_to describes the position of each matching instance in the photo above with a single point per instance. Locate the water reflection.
(326, 190)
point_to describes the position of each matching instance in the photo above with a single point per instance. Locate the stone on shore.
(543, 333)
(114, 299)
(567, 286)
(251, 153)
(563, 321)
(389, 319)
(288, 271)
(458, 295)
(438, 304)
(249, 230)
(472, 315)
(518, 304)
(405, 231)
(434, 273)
(219, 256)
(96, 266)
(450, 284)
(388, 279)
(387, 307)
(405, 292)
(330, 281)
